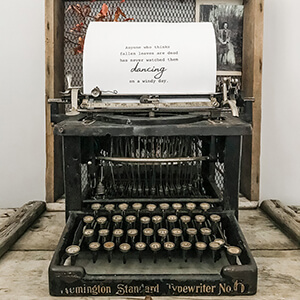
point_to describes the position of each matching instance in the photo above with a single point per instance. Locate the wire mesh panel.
(141, 11)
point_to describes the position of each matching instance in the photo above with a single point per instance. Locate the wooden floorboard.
(24, 275)
(24, 269)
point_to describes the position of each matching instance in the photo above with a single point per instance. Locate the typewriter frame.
(72, 280)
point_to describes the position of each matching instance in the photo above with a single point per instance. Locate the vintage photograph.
(228, 24)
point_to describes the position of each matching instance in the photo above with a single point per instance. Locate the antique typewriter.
(152, 191)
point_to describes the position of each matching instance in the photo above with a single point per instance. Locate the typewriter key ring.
(96, 207)
(124, 248)
(205, 206)
(72, 251)
(164, 207)
(200, 247)
(94, 247)
(155, 247)
(233, 253)
(140, 247)
(109, 247)
(132, 233)
(101, 221)
(185, 246)
(215, 246)
(103, 234)
(169, 246)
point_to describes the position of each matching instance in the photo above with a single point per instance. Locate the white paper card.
(150, 58)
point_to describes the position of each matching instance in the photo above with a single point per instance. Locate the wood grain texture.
(54, 34)
(252, 87)
(18, 223)
(286, 219)
(24, 275)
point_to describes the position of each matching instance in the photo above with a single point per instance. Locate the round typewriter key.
(95, 207)
(205, 232)
(118, 233)
(72, 251)
(140, 246)
(185, 219)
(155, 247)
(145, 220)
(88, 232)
(205, 206)
(176, 233)
(117, 219)
(172, 219)
(190, 206)
(220, 241)
(137, 207)
(199, 219)
(200, 247)
(88, 220)
(130, 219)
(157, 219)
(88, 235)
(103, 234)
(177, 206)
(233, 252)
(132, 232)
(151, 207)
(123, 207)
(109, 247)
(215, 218)
(124, 248)
(214, 246)
(185, 246)
(94, 247)
(164, 206)
(148, 233)
(101, 221)
(169, 246)
(163, 232)
(191, 232)
(109, 207)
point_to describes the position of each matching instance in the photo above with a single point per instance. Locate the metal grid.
(219, 175)
(142, 11)
(84, 179)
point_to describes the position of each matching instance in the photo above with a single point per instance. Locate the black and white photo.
(228, 24)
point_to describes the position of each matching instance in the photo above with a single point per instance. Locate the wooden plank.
(54, 66)
(245, 203)
(252, 87)
(5, 213)
(44, 234)
(24, 275)
(286, 219)
(263, 234)
(18, 223)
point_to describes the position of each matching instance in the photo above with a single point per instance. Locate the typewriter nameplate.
(150, 58)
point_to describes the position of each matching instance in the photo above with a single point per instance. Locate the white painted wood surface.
(24, 269)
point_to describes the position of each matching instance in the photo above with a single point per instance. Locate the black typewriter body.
(152, 206)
